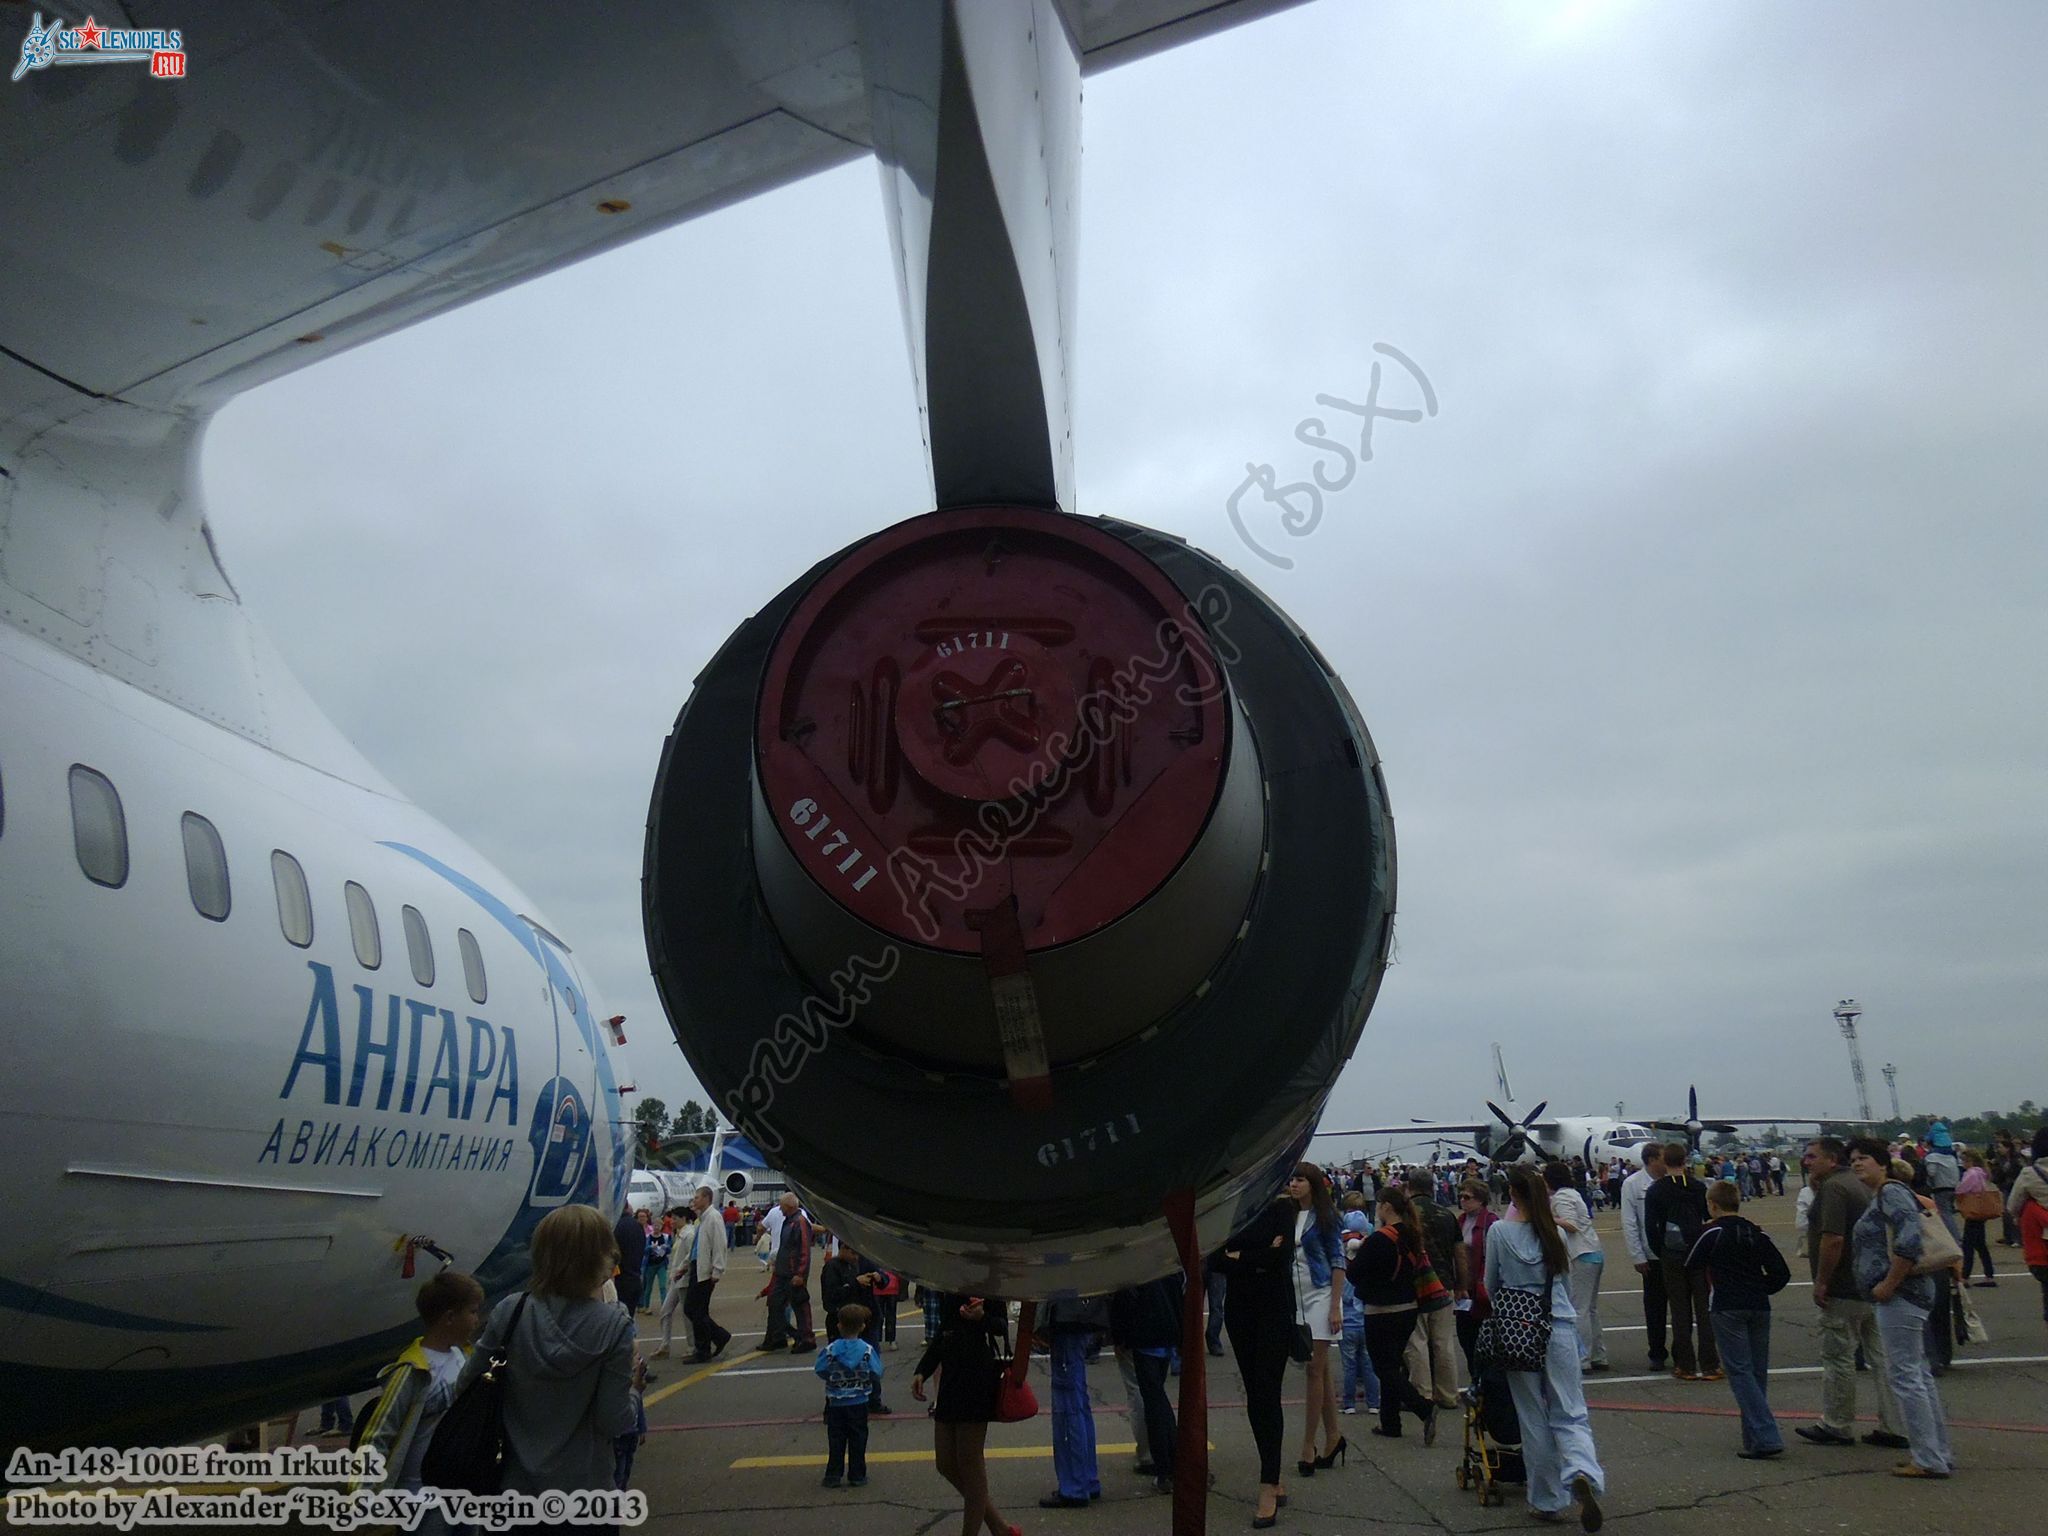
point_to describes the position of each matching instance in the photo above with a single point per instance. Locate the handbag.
(1517, 1336)
(468, 1448)
(1015, 1401)
(1938, 1247)
(1971, 1325)
(1980, 1205)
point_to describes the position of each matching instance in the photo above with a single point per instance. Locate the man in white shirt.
(1633, 1189)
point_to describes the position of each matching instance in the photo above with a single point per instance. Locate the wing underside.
(327, 173)
(1413, 1129)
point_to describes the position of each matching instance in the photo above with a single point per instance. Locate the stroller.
(1493, 1439)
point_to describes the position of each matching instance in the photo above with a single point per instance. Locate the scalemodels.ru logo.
(162, 49)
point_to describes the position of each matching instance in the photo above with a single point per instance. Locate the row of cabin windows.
(99, 830)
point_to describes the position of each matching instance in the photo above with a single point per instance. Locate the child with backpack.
(420, 1383)
(1746, 1270)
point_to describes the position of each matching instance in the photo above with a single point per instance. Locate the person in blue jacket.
(852, 1372)
(1319, 1303)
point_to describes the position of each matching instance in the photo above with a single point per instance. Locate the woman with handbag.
(1888, 1248)
(1384, 1272)
(1533, 1333)
(1978, 1203)
(1258, 1311)
(969, 1354)
(572, 1383)
(1319, 1304)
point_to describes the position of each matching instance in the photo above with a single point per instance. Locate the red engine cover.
(990, 702)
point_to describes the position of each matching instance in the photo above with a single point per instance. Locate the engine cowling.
(1010, 873)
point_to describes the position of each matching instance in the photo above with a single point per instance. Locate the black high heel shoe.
(1307, 1468)
(1337, 1453)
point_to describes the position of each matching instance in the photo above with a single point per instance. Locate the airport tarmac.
(737, 1448)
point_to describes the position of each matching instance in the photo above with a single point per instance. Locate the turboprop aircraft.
(275, 1036)
(1537, 1137)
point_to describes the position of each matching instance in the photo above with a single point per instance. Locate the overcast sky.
(1704, 630)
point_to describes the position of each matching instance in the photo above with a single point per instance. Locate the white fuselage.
(1597, 1138)
(219, 1142)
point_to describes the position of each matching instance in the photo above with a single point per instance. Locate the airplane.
(661, 1190)
(1536, 1137)
(275, 1032)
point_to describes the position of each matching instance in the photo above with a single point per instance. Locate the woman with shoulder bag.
(1384, 1272)
(572, 1384)
(1319, 1303)
(1526, 1262)
(969, 1354)
(1887, 1247)
(1978, 1203)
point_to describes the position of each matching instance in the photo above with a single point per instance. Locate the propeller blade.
(1692, 1103)
(1670, 1125)
(1502, 1115)
(1715, 1125)
(1536, 1113)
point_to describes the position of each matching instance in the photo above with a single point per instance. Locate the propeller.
(1519, 1137)
(1693, 1126)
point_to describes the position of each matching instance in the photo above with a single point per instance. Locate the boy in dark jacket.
(1145, 1320)
(1746, 1270)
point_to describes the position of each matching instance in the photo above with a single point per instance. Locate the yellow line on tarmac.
(696, 1376)
(993, 1453)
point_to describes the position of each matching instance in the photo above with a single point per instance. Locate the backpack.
(468, 1449)
(1682, 1227)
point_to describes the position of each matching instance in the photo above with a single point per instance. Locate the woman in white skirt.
(1318, 1259)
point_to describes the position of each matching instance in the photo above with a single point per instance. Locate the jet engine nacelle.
(737, 1184)
(1011, 874)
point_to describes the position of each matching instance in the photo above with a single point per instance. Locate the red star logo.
(89, 34)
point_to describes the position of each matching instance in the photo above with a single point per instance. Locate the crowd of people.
(1404, 1294)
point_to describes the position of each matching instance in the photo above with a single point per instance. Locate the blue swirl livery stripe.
(26, 1298)
(550, 963)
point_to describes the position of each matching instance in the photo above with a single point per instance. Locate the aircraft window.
(362, 926)
(472, 965)
(206, 867)
(419, 946)
(294, 902)
(99, 830)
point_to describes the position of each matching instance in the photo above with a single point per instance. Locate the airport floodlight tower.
(1891, 1081)
(1846, 1015)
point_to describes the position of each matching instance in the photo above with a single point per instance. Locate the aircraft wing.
(1414, 1128)
(325, 174)
(1720, 1120)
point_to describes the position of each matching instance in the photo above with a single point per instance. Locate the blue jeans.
(1073, 1418)
(1358, 1372)
(1745, 1340)
(1904, 1327)
(1557, 1435)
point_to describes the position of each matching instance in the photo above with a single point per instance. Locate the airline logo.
(46, 46)
(470, 1081)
